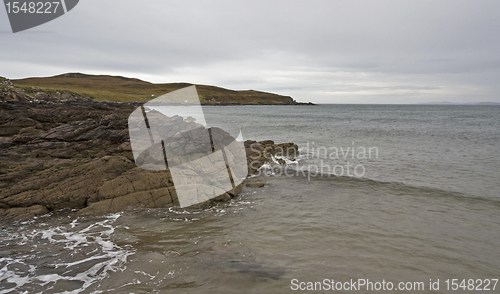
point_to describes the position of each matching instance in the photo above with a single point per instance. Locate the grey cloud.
(294, 47)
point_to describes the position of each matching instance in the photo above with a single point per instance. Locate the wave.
(72, 244)
(301, 173)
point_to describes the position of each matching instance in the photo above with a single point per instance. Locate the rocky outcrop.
(259, 153)
(77, 155)
(8, 92)
(23, 213)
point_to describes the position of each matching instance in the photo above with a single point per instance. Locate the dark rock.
(255, 185)
(75, 153)
(222, 198)
(259, 153)
(22, 213)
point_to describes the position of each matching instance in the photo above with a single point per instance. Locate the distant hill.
(484, 103)
(455, 103)
(117, 88)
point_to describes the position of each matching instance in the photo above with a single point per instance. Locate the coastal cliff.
(122, 89)
(63, 150)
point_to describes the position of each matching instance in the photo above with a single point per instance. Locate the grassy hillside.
(116, 88)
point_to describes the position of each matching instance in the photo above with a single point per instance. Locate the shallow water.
(409, 219)
(454, 147)
(345, 229)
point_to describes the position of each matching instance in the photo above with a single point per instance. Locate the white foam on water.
(77, 247)
(265, 166)
(9, 275)
(287, 160)
(268, 167)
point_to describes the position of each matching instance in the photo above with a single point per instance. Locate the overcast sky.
(320, 51)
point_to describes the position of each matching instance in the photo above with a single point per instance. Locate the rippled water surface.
(427, 208)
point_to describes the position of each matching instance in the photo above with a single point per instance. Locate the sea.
(381, 198)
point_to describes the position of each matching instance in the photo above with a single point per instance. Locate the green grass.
(116, 88)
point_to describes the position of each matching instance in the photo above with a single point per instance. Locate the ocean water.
(394, 193)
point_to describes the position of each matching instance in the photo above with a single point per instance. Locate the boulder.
(76, 154)
(259, 153)
(22, 213)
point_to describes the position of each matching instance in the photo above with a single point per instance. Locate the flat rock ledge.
(76, 154)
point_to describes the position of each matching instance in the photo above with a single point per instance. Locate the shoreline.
(76, 154)
(117, 88)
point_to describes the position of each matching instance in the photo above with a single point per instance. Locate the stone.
(22, 213)
(60, 150)
(255, 185)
